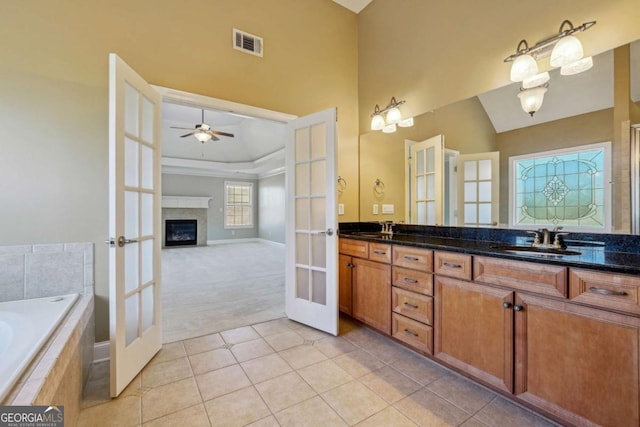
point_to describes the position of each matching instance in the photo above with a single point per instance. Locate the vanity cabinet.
(578, 363)
(512, 327)
(365, 282)
(412, 297)
(474, 330)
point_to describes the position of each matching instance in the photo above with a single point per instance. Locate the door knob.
(328, 232)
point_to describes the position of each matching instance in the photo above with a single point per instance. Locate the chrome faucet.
(387, 227)
(546, 238)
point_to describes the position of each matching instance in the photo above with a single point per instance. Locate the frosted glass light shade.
(531, 99)
(389, 128)
(406, 123)
(567, 50)
(577, 67)
(377, 122)
(393, 116)
(524, 66)
(535, 80)
(202, 136)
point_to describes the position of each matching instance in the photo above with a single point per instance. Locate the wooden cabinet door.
(474, 330)
(345, 268)
(372, 294)
(577, 362)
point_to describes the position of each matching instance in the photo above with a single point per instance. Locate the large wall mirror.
(460, 154)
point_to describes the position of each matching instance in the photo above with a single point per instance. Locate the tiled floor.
(281, 373)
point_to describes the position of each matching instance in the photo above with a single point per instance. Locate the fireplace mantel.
(185, 202)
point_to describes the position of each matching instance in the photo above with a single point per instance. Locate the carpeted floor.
(220, 287)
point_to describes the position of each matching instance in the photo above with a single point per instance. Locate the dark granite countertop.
(600, 252)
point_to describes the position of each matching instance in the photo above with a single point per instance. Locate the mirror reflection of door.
(478, 189)
(426, 178)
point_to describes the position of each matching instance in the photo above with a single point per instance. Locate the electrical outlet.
(375, 209)
(340, 208)
(387, 209)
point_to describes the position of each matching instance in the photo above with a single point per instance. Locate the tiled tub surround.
(59, 370)
(36, 271)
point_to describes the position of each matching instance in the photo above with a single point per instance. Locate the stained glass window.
(566, 188)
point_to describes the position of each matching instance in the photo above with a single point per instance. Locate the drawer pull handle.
(410, 305)
(411, 258)
(408, 332)
(350, 265)
(518, 308)
(409, 280)
(607, 292)
(450, 265)
(379, 252)
(506, 304)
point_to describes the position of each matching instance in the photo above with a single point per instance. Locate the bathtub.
(25, 326)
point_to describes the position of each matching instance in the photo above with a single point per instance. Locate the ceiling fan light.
(393, 116)
(577, 67)
(202, 136)
(567, 50)
(389, 128)
(377, 122)
(531, 99)
(524, 66)
(535, 80)
(406, 123)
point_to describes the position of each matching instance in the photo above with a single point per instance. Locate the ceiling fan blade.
(214, 138)
(187, 134)
(176, 127)
(217, 132)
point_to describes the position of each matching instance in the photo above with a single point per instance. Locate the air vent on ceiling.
(247, 43)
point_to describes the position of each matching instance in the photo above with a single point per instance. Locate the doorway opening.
(235, 274)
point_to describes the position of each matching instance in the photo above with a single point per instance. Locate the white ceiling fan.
(203, 132)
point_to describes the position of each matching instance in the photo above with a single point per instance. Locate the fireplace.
(181, 232)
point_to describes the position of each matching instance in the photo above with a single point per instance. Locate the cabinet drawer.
(607, 290)
(380, 252)
(357, 248)
(413, 280)
(416, 258)
(452, 265)
(416, 306)
(414, 333)
(527, 276)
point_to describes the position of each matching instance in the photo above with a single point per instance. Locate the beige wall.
(466, 128)
(578, 130)
(53, 95)
(433, 52)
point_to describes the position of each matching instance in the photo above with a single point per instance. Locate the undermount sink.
(366, 234)
(532, 250)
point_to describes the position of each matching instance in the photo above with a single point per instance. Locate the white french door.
(311, 284)
(134, 223)
(427, 182)
(478, 189)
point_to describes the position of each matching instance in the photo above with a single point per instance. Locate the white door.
(427, 181)
(478, 189)
(311, 240)
(134, 223)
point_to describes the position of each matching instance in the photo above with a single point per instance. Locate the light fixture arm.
(392, 104)
(541, 47)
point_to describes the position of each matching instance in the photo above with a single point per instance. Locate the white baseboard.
(271, 242)
(247, 240)
(101, 351)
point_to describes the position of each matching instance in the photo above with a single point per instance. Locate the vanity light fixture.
(566, 52)
(388, 118)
